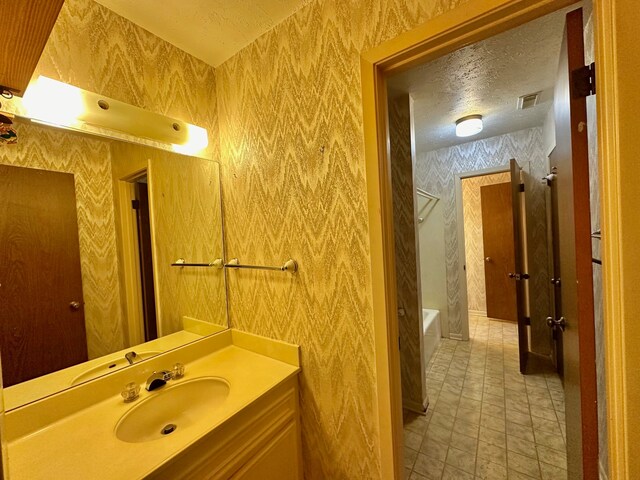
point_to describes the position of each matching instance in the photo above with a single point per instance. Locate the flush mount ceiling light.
(469, 125)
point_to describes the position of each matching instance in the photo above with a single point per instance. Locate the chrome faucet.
(158, 379)
(131, 357)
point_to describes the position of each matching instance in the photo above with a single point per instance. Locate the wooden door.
(574, 236)
(141, 205)
(41, 308)
(519, 275)
(497, 236)
(556, 274)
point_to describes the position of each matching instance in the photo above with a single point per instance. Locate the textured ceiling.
(211, 30)
(485, 78)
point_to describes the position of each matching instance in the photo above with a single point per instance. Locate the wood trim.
(471, 22)
(130, 272)
(618, 144)
(385, 306)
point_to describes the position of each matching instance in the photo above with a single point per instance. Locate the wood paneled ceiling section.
(25, 26)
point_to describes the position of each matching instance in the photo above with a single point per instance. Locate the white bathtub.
(431, 331)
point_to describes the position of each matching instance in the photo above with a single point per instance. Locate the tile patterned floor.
(485, 420)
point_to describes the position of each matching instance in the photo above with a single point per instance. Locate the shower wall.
(433, 270)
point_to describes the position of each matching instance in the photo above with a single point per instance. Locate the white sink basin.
(172, 408)
(110, 366)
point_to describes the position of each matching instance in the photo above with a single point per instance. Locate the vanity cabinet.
(25, 26)
(261, 442)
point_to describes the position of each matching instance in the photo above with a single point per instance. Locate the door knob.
(519, 276)
(74, 305)
(561, 323)
(488, 259)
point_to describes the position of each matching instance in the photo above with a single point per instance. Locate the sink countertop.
(84, 444)
(32, 390)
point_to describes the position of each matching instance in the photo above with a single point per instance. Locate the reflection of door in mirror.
(145, 254)
(179, 228)
(125, 256)
(42, 317)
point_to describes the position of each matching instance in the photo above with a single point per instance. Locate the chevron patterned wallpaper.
(93, 48)
(436, 173)
(88, 159)
(473, 244)
(186, 220)
(292, 151)
(287, 110)
(407, 255)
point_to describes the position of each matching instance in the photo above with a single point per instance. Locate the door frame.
(129, 247)
(462, 254)
(472, 22)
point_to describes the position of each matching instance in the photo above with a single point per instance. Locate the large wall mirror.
(110, 252)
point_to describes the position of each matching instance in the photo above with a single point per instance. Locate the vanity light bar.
(58, 103)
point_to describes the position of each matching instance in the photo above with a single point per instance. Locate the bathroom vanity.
(234, 414)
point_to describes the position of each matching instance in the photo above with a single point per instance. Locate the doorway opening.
(145, 253)
(137, 252)
(488, 399)
(487, 219)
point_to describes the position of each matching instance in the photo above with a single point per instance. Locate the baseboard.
(455, 336)
(603, 472)
(415, 406)
(478, 313)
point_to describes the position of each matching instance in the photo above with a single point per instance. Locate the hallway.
(485, 420)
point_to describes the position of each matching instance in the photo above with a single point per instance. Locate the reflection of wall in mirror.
(186, 222)
(93, 48)
(89, 160)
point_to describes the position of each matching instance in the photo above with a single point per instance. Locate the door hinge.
(527, 321)
(521, 188)
(135, 204)
(584, 80)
